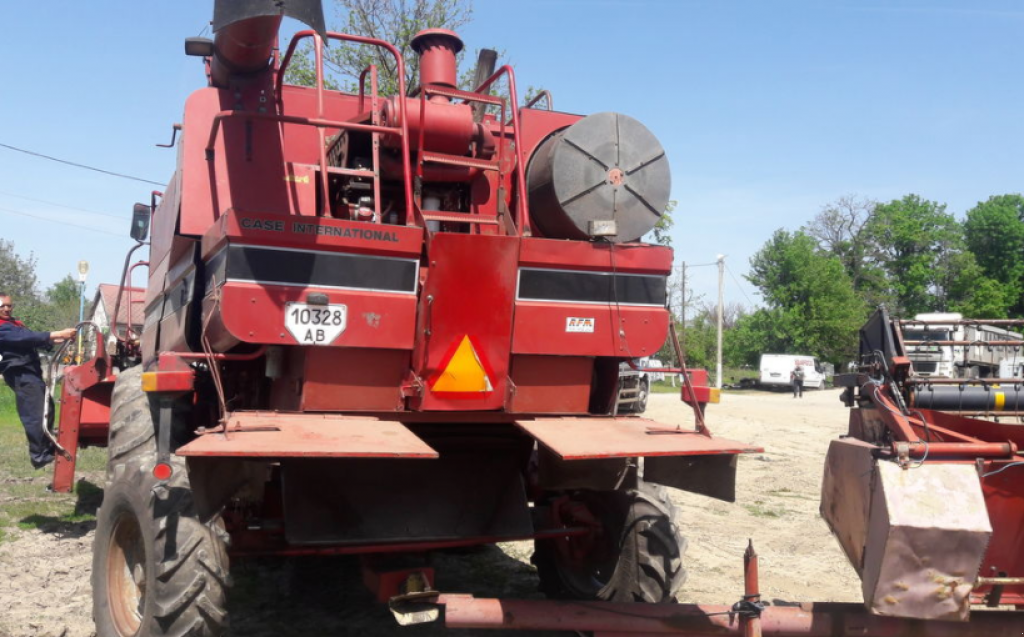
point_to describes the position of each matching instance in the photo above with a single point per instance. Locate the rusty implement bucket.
(917, 535)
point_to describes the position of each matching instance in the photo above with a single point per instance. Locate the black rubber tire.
(644, 551)
(641, 398)
(157, 569)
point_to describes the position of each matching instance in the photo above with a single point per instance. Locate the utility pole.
(682, 313)
(721, 302)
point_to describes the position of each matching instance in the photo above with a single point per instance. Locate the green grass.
(760, 509)
(24, 501)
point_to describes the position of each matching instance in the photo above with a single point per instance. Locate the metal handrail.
(522, 208)
(402, 131)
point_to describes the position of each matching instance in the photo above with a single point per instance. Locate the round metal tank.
(605, 167)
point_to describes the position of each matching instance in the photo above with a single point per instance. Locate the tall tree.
(393, 21)
(17, 274)
(839, 230)
(994, 231)
(63, 303)
(812, 305)
(917, 243)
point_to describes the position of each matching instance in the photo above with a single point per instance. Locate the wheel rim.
(641, 402)
(587, 563)
(126, 575)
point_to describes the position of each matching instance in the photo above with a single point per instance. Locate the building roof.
(108, 293)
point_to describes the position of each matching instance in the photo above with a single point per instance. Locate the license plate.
(315, 324)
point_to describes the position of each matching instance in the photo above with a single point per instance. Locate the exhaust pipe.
(246, 33)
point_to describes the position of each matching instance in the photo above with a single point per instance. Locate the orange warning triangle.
(464, 372)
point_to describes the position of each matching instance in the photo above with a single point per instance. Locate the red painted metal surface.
(353, 379)
(551, 384)
(806, 620)
(254, 313)
(583, 438)
(282, 435)
(312, 233)
(469, 292)
(84, 416)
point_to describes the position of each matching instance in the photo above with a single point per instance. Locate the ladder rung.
(460, 217)
(351, 172)
(455, 160)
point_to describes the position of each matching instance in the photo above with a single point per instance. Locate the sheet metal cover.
(582, 438)
(278, 435)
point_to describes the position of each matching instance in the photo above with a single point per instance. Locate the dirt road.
(44, 575)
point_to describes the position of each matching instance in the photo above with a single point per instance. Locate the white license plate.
(315, 324)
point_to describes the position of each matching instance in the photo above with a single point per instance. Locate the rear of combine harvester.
(386, 324)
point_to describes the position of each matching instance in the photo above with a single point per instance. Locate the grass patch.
(761, 510)
(24, 501)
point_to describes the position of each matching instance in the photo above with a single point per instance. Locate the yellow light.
(715, 395)
(149, 381)
(464, 372)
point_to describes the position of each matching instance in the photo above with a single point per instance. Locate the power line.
(71, 163)
(75, 225)
(60, 205)
(736, 281)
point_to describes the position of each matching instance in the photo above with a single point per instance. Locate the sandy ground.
(44, 574)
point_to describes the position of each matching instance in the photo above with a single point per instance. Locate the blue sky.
(767, 110)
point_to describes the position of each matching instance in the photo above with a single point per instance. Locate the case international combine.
(391, 324)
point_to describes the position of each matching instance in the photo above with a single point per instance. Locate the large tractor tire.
(157, 569)
(635, 557)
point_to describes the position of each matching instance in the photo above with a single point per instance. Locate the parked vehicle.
(945, 345)
(776, 370)
(635, 385)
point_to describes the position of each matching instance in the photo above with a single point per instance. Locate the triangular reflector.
(464, 372)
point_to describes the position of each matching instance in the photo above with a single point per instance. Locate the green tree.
(994, 232)
(17, 274)
(839, 229)
(811, 304)
(663, 229)
(18, 278)
(62, 304)
(393, 21)
(918, 244)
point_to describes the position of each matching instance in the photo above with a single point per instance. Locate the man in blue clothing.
(23, 373)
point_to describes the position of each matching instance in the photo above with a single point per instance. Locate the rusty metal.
(583, 438)
(751, 593)
(806, 620)
(279, 435)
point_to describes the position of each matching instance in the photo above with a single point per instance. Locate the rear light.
(162, 471)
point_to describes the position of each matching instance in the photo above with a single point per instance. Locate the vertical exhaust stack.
(437, 49)
(246, 33)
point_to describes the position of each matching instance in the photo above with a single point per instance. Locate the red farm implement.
(389, 324)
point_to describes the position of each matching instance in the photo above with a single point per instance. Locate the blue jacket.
(18, 346)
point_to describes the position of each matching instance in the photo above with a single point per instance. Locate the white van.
(776, 368)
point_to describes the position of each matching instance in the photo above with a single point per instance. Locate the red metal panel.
(582, 438)
(257, 156)
(254, 313)
(551, 384)
(314, 233)
(604, 257)
(540, 328)
(470, 292)
(281, 435)
(353, 379)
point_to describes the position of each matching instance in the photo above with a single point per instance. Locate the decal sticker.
(577, 324)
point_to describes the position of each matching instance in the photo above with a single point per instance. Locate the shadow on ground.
(315, 596)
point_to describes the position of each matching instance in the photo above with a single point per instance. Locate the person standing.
(24, 375)
(797, 378)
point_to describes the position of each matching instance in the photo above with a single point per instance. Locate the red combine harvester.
(385, 324)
